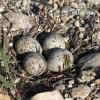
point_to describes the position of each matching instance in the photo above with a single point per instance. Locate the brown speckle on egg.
(27, 44)
(34, 64)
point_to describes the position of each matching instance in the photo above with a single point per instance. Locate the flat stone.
(80, 91)
(20, 20)
(54, 95)
(97, 81)
(84, 75)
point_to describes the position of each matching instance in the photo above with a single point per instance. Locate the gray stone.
(80, 91)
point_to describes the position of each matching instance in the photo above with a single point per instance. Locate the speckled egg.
(27, 44)
(60, 60)
(34, 64)
(52, 42)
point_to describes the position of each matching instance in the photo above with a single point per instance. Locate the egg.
(34, 64)
(27, 44)
(52, 42)
(60, 60)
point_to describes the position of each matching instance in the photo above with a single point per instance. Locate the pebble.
(97, 81)
(61, 87)
(54, 95)
(74, 4)
(90, 60)
(93, 86)
(77, 23)
(5, 23)
(57, 16)
(50, 2)
(54, 1)
(71, 82)
(1, 17)
(84, 76)
(11, 44)
(20, 20)
(95, 2)
(60, 3)
(4, 95)
(96, 37)
(81, 91)
(81, 5)
(82, 29)
(81, 35)
(68, 98)
(55, 6)
(65, 13)
(1, 9)
(66, 95)
(26, 2)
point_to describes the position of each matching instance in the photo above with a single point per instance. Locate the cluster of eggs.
(54, 48)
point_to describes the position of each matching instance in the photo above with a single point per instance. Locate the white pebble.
(54, 95)
(77, 24)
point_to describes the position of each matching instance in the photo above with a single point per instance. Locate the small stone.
(97, 19)
(4, 95)
(57, 16)
(17, 80)
(50, 2)
(11, 44)
(5, 23)
(60, 3)
(82, 29)
(54, 95)
(81, 5)
(18, 3)
(93, 2)
(70, 86)
(68, 1)
(55, 6)
(97, 81)
(81, 91)
(1, 17)
(67, 12)
(74, 4)
(66, 39)
(19, 20)
(81, 35)
(66, 95)
(4, 29)
(54, 1)
(61, 87)
(93, 86)
(71, 82)
(84, 75)
(77, 24)
(68, 98)
(1, 9)
(26, 2)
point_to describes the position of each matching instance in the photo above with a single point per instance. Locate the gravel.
(77, 22)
